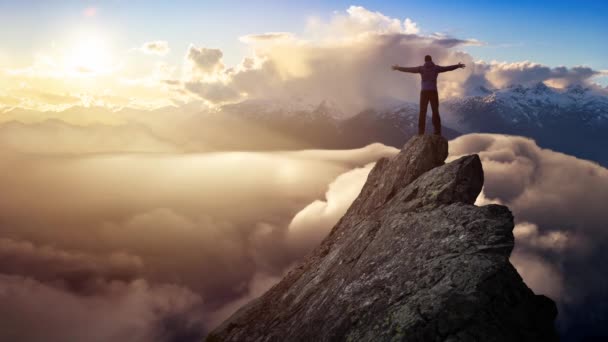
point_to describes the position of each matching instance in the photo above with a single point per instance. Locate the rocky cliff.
(412, 260)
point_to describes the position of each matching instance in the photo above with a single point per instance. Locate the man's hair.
(428, 58)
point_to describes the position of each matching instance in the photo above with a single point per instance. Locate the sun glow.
(89, 55)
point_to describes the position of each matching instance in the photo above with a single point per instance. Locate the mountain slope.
(412, 260)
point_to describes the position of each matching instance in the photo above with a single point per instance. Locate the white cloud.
(310, 226)
(410, 27)
(158, 47)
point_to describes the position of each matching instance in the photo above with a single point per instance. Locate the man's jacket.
(429, 72)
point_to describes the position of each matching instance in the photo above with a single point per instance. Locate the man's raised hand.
(460, 65)
(395, 67)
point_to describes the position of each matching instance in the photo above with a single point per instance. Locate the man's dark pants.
(427, 96)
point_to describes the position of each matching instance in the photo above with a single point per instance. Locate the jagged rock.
(412, 260)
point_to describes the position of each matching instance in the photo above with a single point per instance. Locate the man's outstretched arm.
(451, 67)
(415, 70)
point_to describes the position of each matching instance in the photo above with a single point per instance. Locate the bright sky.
(94, 43)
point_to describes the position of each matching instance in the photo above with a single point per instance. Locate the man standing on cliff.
(429, 72)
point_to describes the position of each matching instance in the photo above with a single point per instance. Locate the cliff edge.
(412, 260)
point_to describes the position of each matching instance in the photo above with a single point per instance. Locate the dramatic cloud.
(159, 47)
(347, 59)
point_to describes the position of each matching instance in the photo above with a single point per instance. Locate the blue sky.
(548, 32)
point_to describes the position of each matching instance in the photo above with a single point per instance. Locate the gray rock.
(412, 260)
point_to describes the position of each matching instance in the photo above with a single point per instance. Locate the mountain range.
(573, 120)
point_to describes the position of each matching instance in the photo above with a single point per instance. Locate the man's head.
(428, 58)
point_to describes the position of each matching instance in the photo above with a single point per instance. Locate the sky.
(122, 53)
(514, 30)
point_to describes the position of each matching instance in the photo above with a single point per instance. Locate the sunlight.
(89, 55)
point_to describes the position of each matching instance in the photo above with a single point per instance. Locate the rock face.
(412, 260)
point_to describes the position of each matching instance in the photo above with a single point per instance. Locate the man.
(429, 72)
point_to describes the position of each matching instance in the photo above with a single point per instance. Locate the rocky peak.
(413, 259)
(540, 88)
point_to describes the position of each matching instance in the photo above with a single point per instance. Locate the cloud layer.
(149, 245)
(127, 232)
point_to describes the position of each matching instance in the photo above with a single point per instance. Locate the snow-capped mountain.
(572, 120)
(531, 105)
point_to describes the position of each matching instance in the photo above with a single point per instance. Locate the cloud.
(541, 276)
(205, 60)
(410, 27)
(111, 229)
(267, 37)
(502, 74)
(158, 47)
(358, 21)
(310, 226)
(355, 75)
(76, 271)
(347, 59)
(214, 92)
(136, 311)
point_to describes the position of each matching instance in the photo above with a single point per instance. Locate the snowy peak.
(530, 101)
